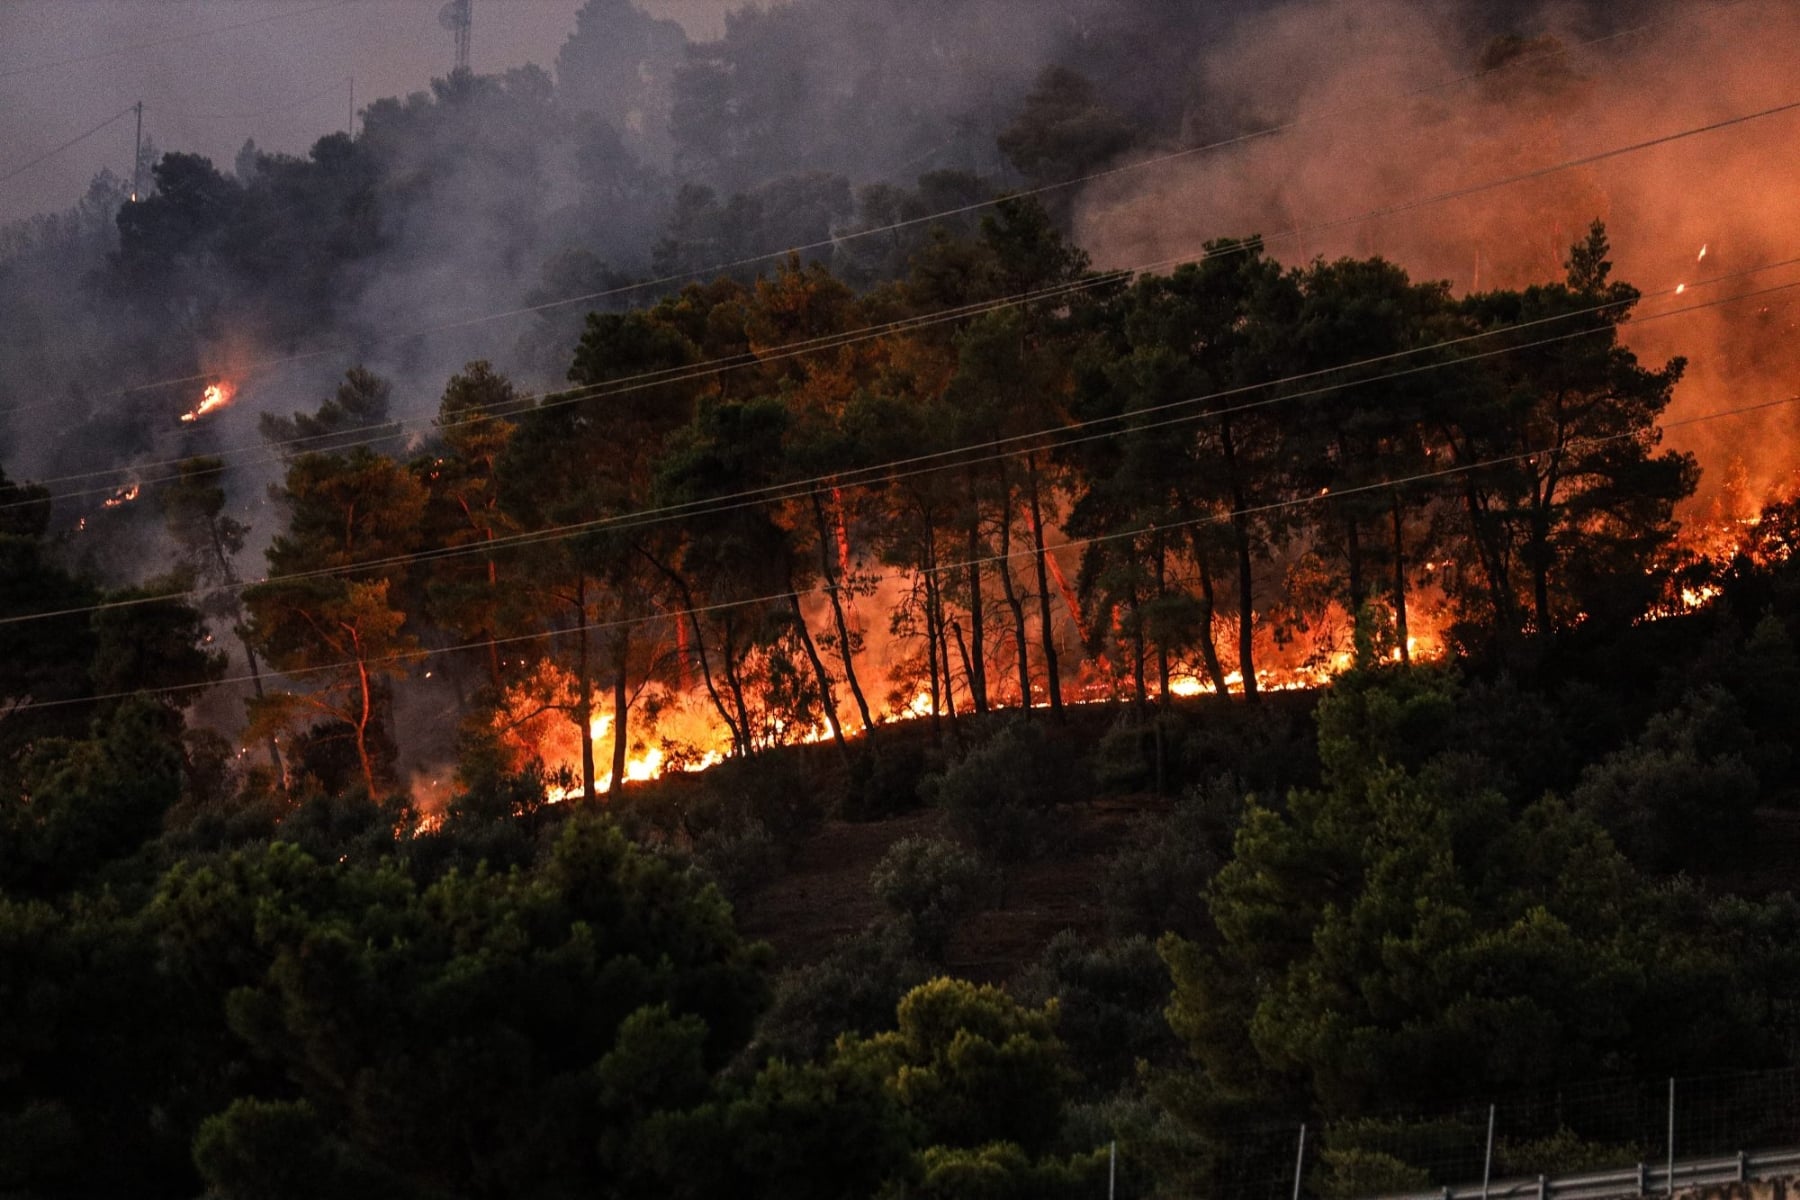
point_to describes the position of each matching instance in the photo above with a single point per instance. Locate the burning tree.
(328, 616)
(1566, 501)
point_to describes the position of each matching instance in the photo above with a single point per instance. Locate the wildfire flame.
(124, 495)
(216, 395)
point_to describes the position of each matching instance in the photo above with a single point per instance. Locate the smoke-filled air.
(935, 599)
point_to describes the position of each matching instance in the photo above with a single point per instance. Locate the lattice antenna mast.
(458, 16)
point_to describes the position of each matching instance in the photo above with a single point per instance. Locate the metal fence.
(1586, 1142)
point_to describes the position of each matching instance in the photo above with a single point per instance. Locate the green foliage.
(1400, 718)
(150, 644)
(929, 885)
(281, 1150)
(884, 782)
(1063, 130)
(97, 1052)
(1002, 1171)
(1562, 1153)
(740, 858)
(972, 1065)
(1353, 1172)
(91, 802)
(1109, 1001)
(1157, 881)
(852, 990)
(609, 979)
(1683, 794)
(1372, 934)
(817, 1132)
(1002, 795)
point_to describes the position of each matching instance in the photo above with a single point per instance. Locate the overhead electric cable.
(74, 141)
(337, 442)
(196, 35)
(946, 568)
(928, 218)
(328, 90)
(721, 504)
(1100, 279)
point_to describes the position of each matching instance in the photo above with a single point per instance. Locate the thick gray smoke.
(651, 147)
(1368, 130)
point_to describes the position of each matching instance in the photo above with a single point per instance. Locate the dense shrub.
(854, 989)
(928, 885)
(1682, 794)
(1109, 1004)
(741, 859)
(1002, 793)
(884, 781)
(1157, 881)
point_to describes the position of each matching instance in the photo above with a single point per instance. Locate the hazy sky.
(213, 72)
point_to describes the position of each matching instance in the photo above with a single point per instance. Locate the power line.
(847, 337)
(911, 222)
(878, 472)
(74, 141)
(336, 441)
(329, 89)
(947, 568)
(172, 40)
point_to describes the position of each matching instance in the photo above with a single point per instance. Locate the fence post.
(1671, 1178)
(1743, 1166)
(1543, 1187)
(1112, 1171)
(1487, 1162)
(1643, 1180)
(1299, 1160)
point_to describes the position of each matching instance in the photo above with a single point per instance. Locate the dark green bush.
(741, 859)
(929, 885)
(854, 989)
(1002, 795)
(1109, 1005)
(1157, 881)
(884, 782)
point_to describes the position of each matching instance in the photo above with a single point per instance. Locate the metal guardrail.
(1641, 1180)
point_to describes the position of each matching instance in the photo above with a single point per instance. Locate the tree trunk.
(1493, 559)
(1162, 647)
(1540, 568)
(734, 681)
(362, 720)
(931, 631)
(1240, 530)
(1138, 654)
(1209, 650)
(621, 712)
(686, 595)
(584, 697)
(976, 653)
(243, 636)
(833, 589)
(493, 644)
(256, 685)
(1011, 592)
(962, 650)
(1400, 581)
(1353, 559)
(826, 697)
(1047, 630)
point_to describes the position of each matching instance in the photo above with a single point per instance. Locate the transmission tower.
(458, 16)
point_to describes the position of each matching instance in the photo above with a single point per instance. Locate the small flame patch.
(217, 395)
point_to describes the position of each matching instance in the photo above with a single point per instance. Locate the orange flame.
(124, 495)
(216, 395)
